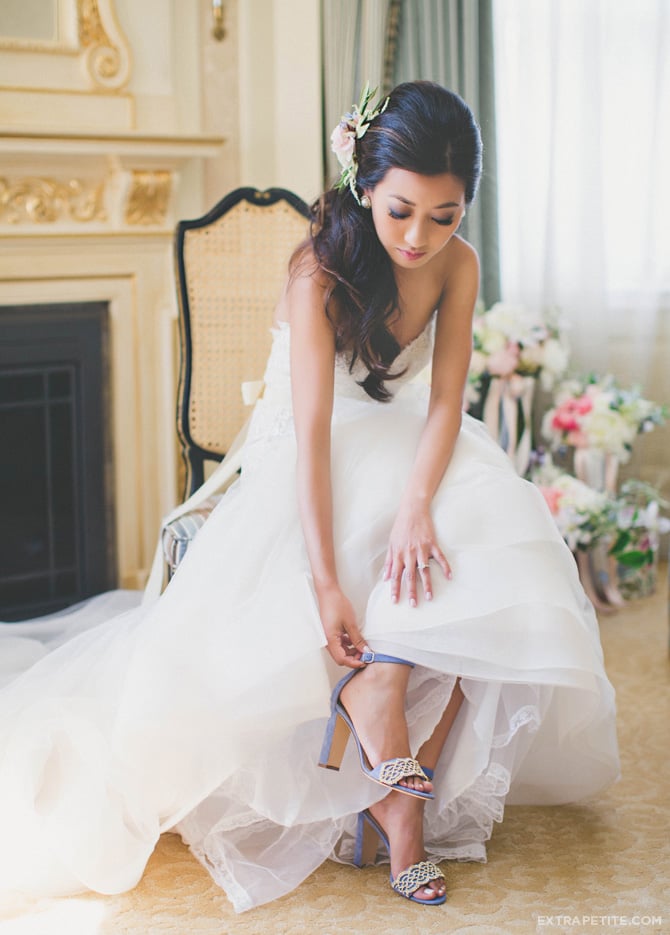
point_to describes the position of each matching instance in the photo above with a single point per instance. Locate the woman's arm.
(312, 376)
(413, 538)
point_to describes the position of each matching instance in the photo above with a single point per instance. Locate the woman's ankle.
(376, 706)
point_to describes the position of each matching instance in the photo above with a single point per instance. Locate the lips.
(411, 255)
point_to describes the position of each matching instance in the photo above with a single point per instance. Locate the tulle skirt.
(204, 711)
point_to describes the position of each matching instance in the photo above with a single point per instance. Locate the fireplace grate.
(55, 500)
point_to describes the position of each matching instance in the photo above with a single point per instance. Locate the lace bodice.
(273, 413)
(412, 359)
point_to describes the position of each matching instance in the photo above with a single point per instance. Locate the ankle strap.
(380, 657)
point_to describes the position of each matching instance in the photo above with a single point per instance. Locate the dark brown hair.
(425, 129)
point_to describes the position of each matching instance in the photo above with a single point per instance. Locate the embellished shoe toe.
(340, 728)
(409, 881)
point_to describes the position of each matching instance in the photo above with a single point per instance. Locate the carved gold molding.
(95, 36)
(107, 57)
(44, 200)
(148, 197)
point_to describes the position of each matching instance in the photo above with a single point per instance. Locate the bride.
(374, 527)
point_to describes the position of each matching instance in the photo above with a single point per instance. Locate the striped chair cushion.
(178, 535)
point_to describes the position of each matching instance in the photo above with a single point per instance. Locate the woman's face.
(415, 216)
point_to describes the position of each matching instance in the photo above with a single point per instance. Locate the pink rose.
(584, 404)
(563, 419)
(552, 498)
(568, 416)
(578, 439)
(504, 362)
(342, 144)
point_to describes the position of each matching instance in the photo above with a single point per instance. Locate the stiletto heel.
(409, 881)
(340, 726)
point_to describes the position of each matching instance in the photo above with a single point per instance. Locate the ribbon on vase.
(507, 398)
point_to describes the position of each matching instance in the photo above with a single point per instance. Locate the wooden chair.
(230, 267)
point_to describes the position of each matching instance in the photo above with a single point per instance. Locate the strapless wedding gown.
(204, 711)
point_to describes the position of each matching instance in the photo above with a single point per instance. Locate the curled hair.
(425, 129)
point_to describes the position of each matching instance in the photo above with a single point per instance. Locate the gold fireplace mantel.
(80, 182)
(90, 217)
(97, 164)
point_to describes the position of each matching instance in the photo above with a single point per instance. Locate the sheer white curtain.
(354, 37)
(583, 119)
(583, 97)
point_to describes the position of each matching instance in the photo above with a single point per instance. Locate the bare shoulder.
(460, 282)
(305, 289)
(462, 260)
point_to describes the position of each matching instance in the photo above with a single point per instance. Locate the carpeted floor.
(597, 867)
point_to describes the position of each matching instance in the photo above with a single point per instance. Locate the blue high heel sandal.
(340, 728)
(409, 881)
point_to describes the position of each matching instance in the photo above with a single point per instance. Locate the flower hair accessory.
(353, 127)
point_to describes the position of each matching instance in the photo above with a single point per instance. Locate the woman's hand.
(345, 641)
(411, 546)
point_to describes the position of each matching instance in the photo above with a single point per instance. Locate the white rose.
(493, 341)
(477, 363)
(532, 358)
(555, 362)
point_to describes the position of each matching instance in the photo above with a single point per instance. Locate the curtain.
(583, 119)
(451, 42)
(354, 48)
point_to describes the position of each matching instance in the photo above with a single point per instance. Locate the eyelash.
(443, 222)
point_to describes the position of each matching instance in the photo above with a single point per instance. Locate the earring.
(365, 202)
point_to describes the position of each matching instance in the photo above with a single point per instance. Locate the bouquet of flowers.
(508, 339)
(596, 413)
(584, 516)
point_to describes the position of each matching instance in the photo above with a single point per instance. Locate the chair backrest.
(230, 267)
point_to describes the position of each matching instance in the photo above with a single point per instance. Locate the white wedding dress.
(204, 711)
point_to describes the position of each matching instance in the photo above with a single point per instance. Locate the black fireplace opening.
(56, 482)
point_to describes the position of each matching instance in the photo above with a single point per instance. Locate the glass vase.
(640, 581)
(599, 469)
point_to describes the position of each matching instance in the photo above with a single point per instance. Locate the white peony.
(516, 323)
(555, 362)
(532, 358)
(607, 429)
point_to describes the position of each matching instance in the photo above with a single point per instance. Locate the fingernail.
(412, 603)
(394, 598)
(449, 574)
(429, 595)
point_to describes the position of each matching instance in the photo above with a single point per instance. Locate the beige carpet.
(550, 869)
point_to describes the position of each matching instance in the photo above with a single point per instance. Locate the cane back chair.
(230, 266)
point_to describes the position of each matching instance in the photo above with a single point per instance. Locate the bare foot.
(375, 701)
(401, 817)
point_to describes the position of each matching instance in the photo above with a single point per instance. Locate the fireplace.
(56, 470)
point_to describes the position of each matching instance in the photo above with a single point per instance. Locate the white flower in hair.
(353, 127)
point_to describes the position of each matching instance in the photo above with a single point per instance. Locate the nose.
(415, 233)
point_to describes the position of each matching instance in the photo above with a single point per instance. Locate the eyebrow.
(447, 204)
